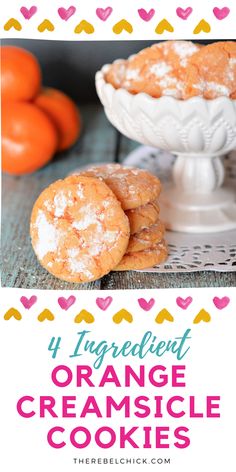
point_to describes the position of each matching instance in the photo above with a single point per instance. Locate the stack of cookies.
(102, 219)
(146, 246)
(137, 190)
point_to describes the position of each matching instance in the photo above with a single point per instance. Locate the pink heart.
(65, 14)
(104, 303)
(28, 12)
(146, 305)
(184, 14)
(28, 302)
(221, 303)
(184, 302)
(146, 15)
(221, 13)
(66, 303)
(104, 13)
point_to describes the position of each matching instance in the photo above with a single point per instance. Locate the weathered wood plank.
(137, 280)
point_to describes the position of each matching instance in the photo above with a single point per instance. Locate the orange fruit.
(29, 138)
(64, 114)
(20, 74)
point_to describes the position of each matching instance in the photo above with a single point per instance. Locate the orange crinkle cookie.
(211, 72)
(79, 231)
(180, 69)
(132, 187)
(157, 70)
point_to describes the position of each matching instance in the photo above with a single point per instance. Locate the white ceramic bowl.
(200, 132)
(193, 126)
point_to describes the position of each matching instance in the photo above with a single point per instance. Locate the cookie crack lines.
(179, 69)
(83, 229)
(79, 228)
(132, 187)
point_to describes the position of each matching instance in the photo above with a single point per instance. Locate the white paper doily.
(190, 252)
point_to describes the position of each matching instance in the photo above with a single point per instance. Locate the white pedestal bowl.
(199, 132)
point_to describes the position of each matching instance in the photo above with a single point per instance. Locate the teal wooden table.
(99, 143)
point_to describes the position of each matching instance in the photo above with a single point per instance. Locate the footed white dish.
(199, 133)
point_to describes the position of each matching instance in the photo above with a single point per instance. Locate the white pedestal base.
(204, 213)
(196, 203)
(193, 200)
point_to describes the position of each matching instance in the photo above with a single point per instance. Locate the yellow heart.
(45, 25)
(121, 26)
(203, 315)
(12, 23)
(164, 315)
(164, 25)
(84, 315)
(122, 315)
(46, 315)
(12, 313)
(84, 26)
(202, 26)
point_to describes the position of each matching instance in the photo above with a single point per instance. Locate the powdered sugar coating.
(216, 89)
(180, 69)
(211, 71)
(75, 236)
(184, 50)
(80, 191)
(79, 264)
(48, 235)
(87, 215)
(60, 203)
(158, 70)
(132, 187)
(116, 74)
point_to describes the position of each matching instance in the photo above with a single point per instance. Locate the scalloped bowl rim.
(99, 77)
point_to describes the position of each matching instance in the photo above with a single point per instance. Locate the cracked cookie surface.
(211, 71)
(132, 187)
(180, 69)
(157, 70)
(78, 229)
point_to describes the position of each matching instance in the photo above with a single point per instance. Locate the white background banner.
(207, 352)
(118, 20)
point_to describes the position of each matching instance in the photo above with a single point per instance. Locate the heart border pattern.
(109, 20)
(78, 313)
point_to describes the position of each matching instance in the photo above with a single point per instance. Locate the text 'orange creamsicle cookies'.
(78, 229)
